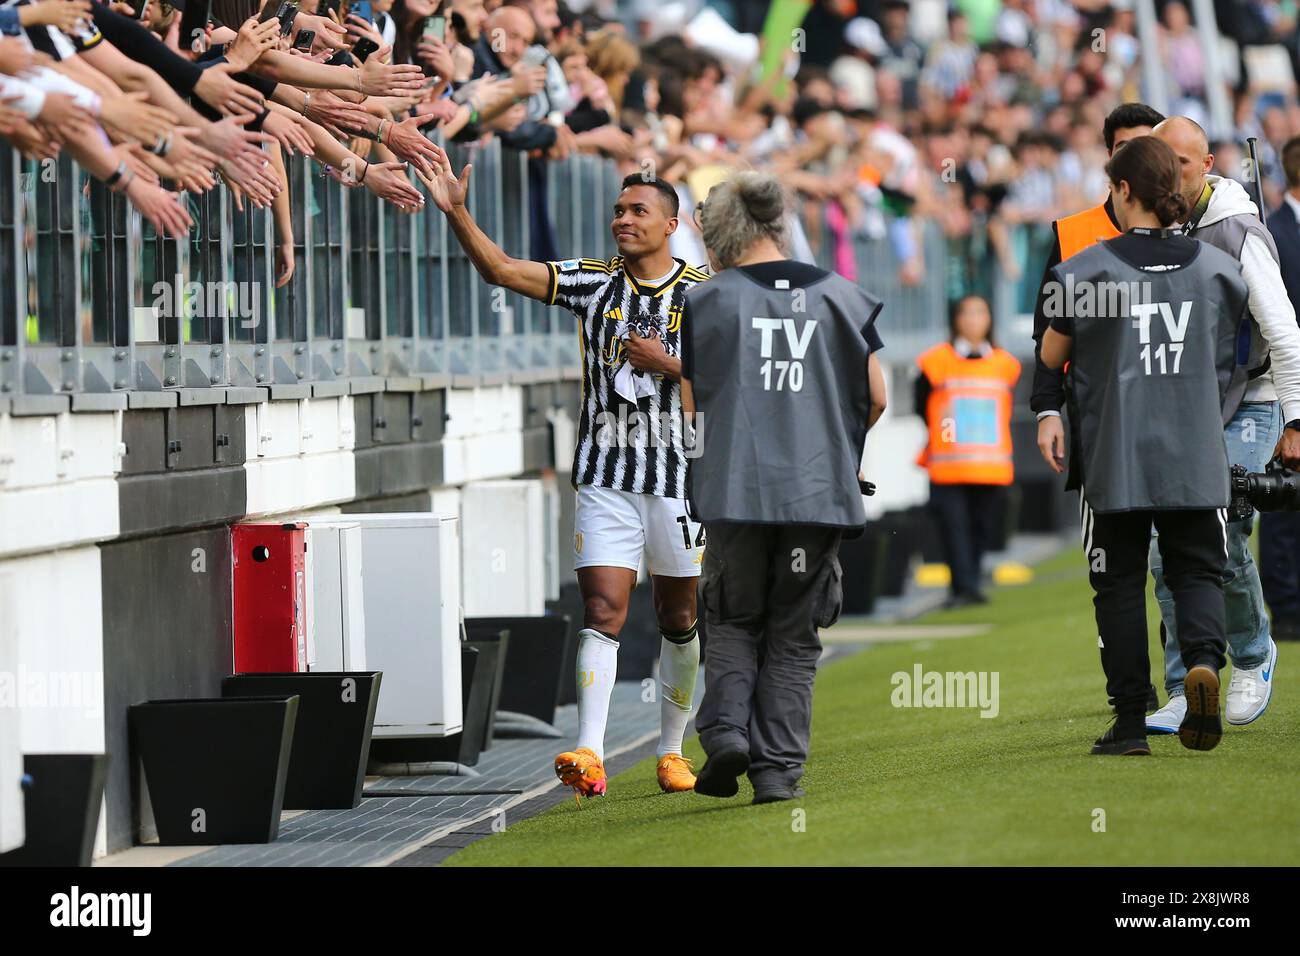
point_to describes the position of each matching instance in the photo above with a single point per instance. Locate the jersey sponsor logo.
(567, 265)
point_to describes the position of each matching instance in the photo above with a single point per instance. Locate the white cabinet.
(551, 534)
(336, 636)
(11, 751)
(504, 549)
(411, 587)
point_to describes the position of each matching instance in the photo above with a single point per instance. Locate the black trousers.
(1279, 562)
(766, 589)
(1193, 547)
(968, 517)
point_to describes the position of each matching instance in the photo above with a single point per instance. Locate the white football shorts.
(618, 528)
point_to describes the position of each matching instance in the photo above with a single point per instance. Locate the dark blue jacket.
(1286, 234)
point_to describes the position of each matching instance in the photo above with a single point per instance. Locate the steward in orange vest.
(1073, 235)
(968, 413)
(1078, 232)
(965, 391)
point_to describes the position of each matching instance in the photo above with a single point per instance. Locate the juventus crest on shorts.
(632, 443)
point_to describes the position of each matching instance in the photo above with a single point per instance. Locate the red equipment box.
(270, 597)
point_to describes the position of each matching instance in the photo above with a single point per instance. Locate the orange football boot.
(674, 773)
(582, 770)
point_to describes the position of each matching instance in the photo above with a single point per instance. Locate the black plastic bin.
(569, 605)
(331, 737)
(897, 529)
(215, 767)
(61, 806)
(639, 641)
(478, 666)
(862, 560)
(494, 651)
(535, 668)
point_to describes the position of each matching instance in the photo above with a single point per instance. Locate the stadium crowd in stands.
(981, 116)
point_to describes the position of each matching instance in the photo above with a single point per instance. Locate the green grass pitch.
(907, 786)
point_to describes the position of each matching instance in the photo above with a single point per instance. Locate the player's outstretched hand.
(446, 191)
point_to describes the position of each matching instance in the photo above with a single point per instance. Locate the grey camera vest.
(781, 390)
(1152, 360)
(1252, 359)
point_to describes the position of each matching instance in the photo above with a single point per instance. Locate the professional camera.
(1274, 489)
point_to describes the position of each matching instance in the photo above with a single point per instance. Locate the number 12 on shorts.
(685, 522)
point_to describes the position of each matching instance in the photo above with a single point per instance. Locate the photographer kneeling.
(780, 358)
(1151, 354)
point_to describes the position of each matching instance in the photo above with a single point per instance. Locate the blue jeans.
(1249, 438)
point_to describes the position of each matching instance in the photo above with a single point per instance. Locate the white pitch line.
(897, 633)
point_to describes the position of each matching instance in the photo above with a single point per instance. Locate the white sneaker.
(1168, 718)
(1250, 689)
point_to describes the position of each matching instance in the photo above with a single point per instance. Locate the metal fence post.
(13, 311)
(462, 282)
(54, 236)
(431, 284)
(291, 340)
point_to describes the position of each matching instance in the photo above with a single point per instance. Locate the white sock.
(597, 666)
(679, 664)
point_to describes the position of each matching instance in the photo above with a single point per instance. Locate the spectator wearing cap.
(855, 71)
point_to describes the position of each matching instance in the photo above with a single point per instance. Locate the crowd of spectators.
(981, 117)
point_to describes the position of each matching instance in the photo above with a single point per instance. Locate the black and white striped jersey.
(624, 445)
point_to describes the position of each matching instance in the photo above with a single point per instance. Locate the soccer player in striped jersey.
(629, 469)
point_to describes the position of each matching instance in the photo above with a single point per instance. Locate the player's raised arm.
(524, 276)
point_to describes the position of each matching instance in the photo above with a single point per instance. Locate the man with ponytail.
(780, 358)
(1151, 353)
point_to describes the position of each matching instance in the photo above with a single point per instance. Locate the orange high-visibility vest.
(969, 416)
(1081, 230)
